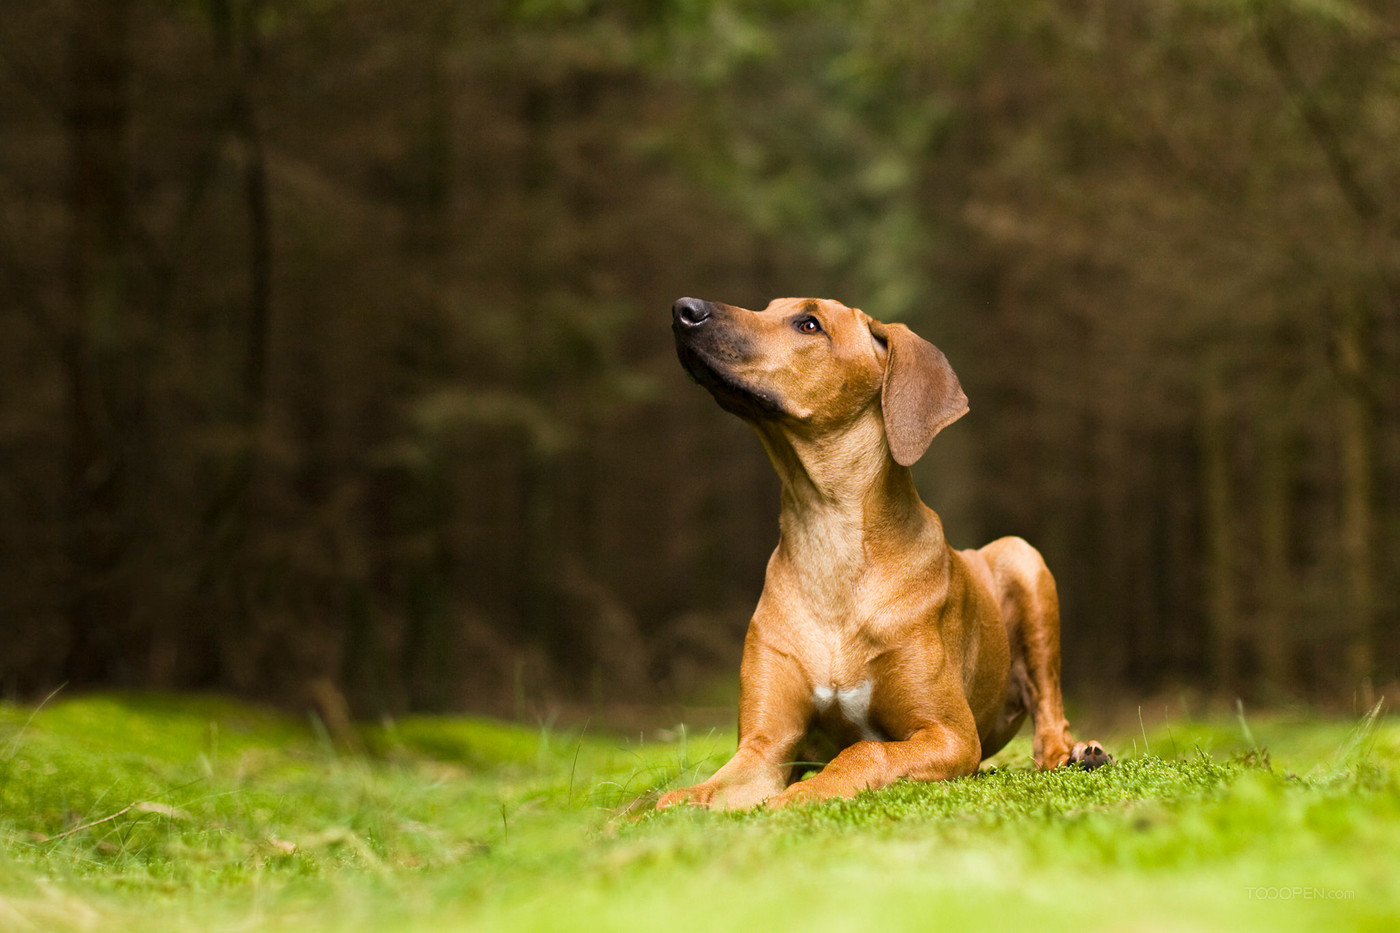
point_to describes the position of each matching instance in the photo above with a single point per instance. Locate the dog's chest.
(849, 703)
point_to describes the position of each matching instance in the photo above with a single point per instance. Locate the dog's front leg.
(775, 707)
(934, 753)
(752, 776)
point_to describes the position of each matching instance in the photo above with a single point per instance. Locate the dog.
(913, 659)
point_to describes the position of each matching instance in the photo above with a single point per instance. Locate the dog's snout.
(691, 312)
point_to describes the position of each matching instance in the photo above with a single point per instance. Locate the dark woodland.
(337, 355)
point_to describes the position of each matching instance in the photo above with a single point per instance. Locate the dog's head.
(816, 365)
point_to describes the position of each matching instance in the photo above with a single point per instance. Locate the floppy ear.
(920, 395)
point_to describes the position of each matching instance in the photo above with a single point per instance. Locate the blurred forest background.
(336, 348)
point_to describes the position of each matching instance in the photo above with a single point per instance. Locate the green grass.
(158, 813)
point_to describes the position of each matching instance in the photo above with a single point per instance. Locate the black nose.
(691, 312)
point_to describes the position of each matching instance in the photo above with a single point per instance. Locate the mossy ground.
(178, 813)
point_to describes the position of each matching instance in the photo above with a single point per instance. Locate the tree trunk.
(1354, 443)
(228, 517)
(99, 603)
(1275, 630)
(1222, 601)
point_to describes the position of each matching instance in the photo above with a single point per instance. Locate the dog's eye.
(809, 325)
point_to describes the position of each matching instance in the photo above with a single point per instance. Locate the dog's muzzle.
(707, 345)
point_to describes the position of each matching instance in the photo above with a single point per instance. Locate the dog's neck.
(843, 495)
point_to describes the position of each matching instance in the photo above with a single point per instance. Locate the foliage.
(157, 813)
(338, 347)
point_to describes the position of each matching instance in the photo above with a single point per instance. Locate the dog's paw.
(797, 795)
(1089, 755)
(697, 796)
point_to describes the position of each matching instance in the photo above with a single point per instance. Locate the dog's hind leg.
(1031, 606)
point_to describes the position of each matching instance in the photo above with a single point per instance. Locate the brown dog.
(916, 659)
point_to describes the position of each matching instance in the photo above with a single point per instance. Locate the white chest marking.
(853, 703)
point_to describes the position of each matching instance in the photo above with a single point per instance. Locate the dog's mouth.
(732, 394)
